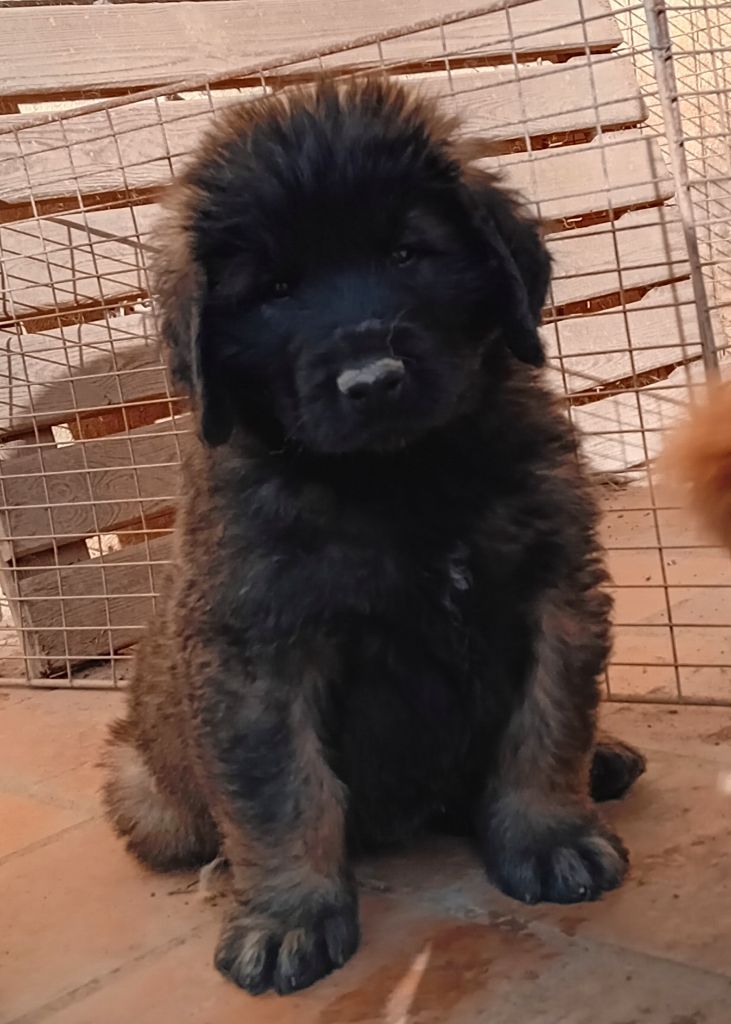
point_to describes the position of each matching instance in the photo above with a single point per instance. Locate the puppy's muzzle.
(375, 381)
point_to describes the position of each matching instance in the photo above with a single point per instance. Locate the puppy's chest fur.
(407, 592)
(398, 598)
(405, 598)
(315, 556)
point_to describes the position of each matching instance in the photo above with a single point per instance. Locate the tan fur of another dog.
(697, 456)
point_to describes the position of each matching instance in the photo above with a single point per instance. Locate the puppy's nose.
(377, 380)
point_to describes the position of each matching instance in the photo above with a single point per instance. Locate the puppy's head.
(333, 276)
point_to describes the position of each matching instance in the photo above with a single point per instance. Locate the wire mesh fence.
(614, 124)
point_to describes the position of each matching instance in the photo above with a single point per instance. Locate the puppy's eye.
(402, 256)
(281, 289)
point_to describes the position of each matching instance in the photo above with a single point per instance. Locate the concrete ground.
(89, 937)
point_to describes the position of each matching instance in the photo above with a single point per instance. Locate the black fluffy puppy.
(386, 608)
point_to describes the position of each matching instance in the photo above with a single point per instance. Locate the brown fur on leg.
(158, 830)
(289, 925)
(698, 457)
(540, 837)
(281, 811)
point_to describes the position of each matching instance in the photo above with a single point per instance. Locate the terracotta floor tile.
(83, 940)
(422, 969)
(50, 744)
(53, 732)
(643, 682)
(78, 908)
(25, 820)
(704, 732)
(676, 903)
(709, 683)
(181, 985)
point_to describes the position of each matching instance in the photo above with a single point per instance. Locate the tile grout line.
(66, 999)
(48, 840)
(592, 942)
(37, 791)
(547, 930)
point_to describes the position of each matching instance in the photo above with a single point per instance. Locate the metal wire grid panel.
(613, 122)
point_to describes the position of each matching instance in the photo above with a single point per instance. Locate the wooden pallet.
(90, 447)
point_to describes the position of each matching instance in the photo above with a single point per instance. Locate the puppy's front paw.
(564, 862)
(260, 953)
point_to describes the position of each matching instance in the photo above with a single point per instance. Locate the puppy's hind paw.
(615, 767)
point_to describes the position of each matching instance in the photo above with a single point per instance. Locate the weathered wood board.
(15, 568)
(660, 329)
(57, 263)
(48, 378)
(137, 146)
(642, 248)
(142, 145)
(92, 609)
(614, 172)
(529, 100)
(626, 430)
(90, 487)
(68, 50)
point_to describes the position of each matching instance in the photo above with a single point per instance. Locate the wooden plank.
(67, 50)
(612, 431)
(617, 171)
(507, 103)
(80, 3)
(660, 329)
(90, 487)
(142, 145)
(49, 378)
(57, 263)
(54, 263)
(14, 568)
(93, 609)
(623, 431)
(131, 147)
(646, 245)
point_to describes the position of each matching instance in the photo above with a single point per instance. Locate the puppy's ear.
(522, 262)
(180, 288)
